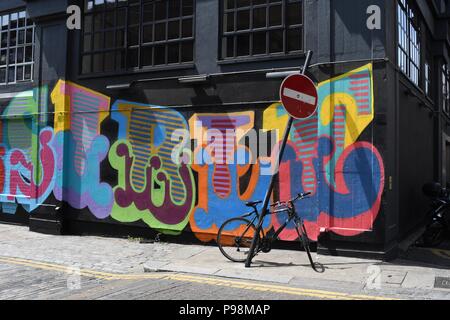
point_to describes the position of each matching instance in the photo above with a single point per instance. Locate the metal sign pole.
(265, 207)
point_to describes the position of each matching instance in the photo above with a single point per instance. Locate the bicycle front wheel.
(304, 239)
(235, 238)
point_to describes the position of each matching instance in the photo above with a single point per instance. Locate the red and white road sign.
(299, 96)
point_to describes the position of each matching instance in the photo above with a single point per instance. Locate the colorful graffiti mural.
(151, 186)
(26, 177)
(324, 156)
(346, 177)
(223, 194)
(81, 148)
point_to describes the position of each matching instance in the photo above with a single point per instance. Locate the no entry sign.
(299, 96)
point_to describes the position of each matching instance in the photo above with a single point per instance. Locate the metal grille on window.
(261, 27)
(16, 48)
(408, 42)
(136, 34)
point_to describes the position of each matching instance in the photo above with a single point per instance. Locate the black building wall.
(331, 31)
(418, 117)
(50, 56)
(403, 128)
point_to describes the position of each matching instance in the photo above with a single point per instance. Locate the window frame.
(412, 58)
(28, 24)
(126, 48)
(267, 55)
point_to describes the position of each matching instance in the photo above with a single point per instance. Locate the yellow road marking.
(194, 279)
(284, 289)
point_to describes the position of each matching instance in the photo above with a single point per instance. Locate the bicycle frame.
(252, 222)
(262, 241)
(292, 215)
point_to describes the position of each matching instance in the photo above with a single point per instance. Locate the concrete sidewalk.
(411, 277)
(417, 279)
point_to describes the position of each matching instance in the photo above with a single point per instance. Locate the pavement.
(416, 275)
(419, 274)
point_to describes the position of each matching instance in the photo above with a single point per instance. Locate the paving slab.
(393, 277)
(419, 280)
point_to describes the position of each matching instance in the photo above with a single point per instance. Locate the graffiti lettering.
(166, 170)
(151, 187)
(155, 196)
(81, 148)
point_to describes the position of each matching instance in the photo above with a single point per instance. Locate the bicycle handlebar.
(300, 196)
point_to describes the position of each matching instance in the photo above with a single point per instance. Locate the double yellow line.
(321, 294)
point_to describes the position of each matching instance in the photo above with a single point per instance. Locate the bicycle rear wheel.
(235, 238)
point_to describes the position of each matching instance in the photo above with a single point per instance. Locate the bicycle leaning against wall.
(236, 234)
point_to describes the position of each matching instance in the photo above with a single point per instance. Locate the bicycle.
(235, 236)
(437, 220)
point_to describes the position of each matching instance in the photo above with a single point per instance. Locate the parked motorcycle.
(438, 218)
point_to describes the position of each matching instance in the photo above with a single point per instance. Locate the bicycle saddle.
(253, 203)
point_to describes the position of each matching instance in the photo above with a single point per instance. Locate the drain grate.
(442, 283)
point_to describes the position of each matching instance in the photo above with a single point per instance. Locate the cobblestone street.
(37, 266)
(31, 282)
(106, 254)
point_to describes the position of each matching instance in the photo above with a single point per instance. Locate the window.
(446, 89)
(261, 27)
(16, 48)
(136, 34)
(408, 41)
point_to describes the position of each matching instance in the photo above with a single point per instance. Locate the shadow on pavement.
(438, 257)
